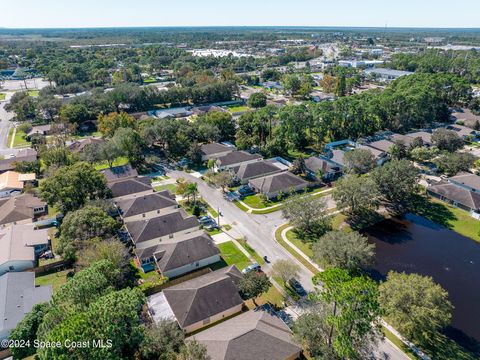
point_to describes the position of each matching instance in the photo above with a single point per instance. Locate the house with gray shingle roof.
(201, 301)
(149, 232)
(249, 171)
(179, 255)
(467, 180)
(251, 335)
(215, 150)
(458, 196)
(20, 246)
(235, 159)
(18, 295)
(148, 205)
(22, 209)
(133, 186)
(273, 185)
(316, 165)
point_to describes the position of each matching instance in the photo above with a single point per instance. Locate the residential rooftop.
(252, 335)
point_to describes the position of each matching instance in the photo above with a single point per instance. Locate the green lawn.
(19, 139)
(240, 206)
(232, 255)
(56, 279)
(251, 251)
(449, 216)
(118, 162)
(2, 96)
(300, 258)
(304, 247)
(254, 201)
(170, 187)
(33, 93)
(236, 109)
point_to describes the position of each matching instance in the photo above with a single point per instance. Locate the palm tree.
(192, 190)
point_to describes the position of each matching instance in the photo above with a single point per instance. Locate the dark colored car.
(297, 287)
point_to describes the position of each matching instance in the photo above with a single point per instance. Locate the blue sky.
(106, 13)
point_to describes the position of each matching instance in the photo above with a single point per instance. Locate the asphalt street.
(259, 231)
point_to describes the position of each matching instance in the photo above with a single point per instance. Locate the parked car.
(297, 287)
(245, 190)
(253, 267)
(205, 219)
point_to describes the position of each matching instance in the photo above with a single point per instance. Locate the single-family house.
(201, 301)
(138, 186)
(463, 131)
(254, 334)
(22, 209)
(80, 144)
(18, 295)
(179, 255)
(276, 184)
(149, 232)
(466, 117)
(466, 180)
(322, 169)
(235, 159)
(40, 130)
(459, 196)
(215, 150)
(424, 135)
(249, 171)
(119, 173)
(27, 155)
(407, 140)
(380, 156)
(12, 182)
(381, 145)
(20, 246)
(146, 205)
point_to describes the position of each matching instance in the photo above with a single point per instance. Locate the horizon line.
(246, 26)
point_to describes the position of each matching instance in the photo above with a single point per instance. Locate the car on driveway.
(297, 287)
(250, 268)
(205, 219)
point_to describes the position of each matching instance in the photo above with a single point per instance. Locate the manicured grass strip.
(278, 237)
(33, 93)
(19, 139)
(170, 187)
(212, 211)
(305, 247)
(240, 206)
(398, 343)
(232, 255)
(235, 109)
(56, 279)
(268, 211)
(2, 96)
(118, 162)
(251, 251)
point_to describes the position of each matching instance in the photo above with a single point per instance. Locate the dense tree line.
(415, 101)
(462, 63)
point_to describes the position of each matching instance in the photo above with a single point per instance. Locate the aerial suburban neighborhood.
(189, 191)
